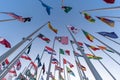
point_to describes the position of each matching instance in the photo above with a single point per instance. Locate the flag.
(92, 47)
(73, 29)
(13, 71)
(18, 65)
(26, 19)
(88, 17)
(43, 68)
(107, 21)
(58, 68)
(5, 63)
(29, 48)
(88, 36)
(109, 1)
(44, 38)
(66, 8)
(79, 43)
(38, 59)
(26, 57)
(48, 8)
(108, 34)
(50, 50)
(33, 65)
(67, 62)
(91, 56)
(54, 61)
(81, 66)
(5, 42)
(70, 71)
(21, 77)
(77, 54)
(62, 39)
(52, 28)
(65, 52)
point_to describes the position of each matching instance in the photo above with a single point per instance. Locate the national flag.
(41, 36)
(18, 65)
(43, 68)
(69, 71)
(64, 52)
(66, 8)
(109, 1)
(48, 8)
(79, 43)
(58, 68)
(26, 19)
(50, 50)
(92, 47)
(33, 65)
(38, 59)
(29, 48)
(73, 29)
(5, 63)
(52, 28)
(3, 41)
(108, 34)
(54, 61)
(91, 56)
(81, 66)
(88, 36)
(88, 17)
(62, 39)
(107, 21)
(13, 71)
(70, 64)
(77, 54)
(26, 57)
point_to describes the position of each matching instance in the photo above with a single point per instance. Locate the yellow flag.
(51, 27)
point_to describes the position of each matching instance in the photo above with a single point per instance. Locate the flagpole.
(64, 71)
(59, 64)
(47, 78)
(103, 65)
(111, 57)
(67, 76)
(79, 72)
(92, 68)
(10, 65)
(110, 8)
(14, 48)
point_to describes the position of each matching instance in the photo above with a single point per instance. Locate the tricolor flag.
(91, 56)
(3, 41)
(92, 47)
(88, 36)
(52, 28)
(66, 8)
(62, 39)
(69, 71)
(54, 61)
(50, 50)
(88, 17)
(108, 34)
(73, 29)
(41, 36)
(107, 21)
(65, 62)
(109, 1)
(64, 52)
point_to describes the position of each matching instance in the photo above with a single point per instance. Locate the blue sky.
(14, 31)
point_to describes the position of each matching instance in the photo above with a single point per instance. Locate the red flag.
(109, 1)
(5, 42)
(18, 65)
(25, 57)
(65, 62)
(34, 65)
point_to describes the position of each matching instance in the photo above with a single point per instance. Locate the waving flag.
(73, 29)
(91, 56)
(44, 38)
(107, 21)
(66, 8)
(5, 42)
(29, 48)
(26, 57)
(65, 62)
(18, 65)
(88, 36)
(43, 68)
(88, 17)
(48, 8)
(58, 68)
(66, 52)
(54, 61)
(70, 71)
(50, 50)
(109, 34)
(52, 28)
(77, 54)
(79, 43)
(38, 59)
(62, 39)
(109, 1)
(92, 47)
(81, 66)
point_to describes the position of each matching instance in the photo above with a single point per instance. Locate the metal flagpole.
(103, 65)
(79, 72)
(92, 68)
(47, 78)
(59, 65)
(13, 62)
(64, 71)
(14, 48)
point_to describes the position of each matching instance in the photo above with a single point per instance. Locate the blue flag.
(108, 34)
(39, 62)
(48, 8)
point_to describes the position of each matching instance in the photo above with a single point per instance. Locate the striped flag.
(50, 50)
(41, 36)
(26, 57)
